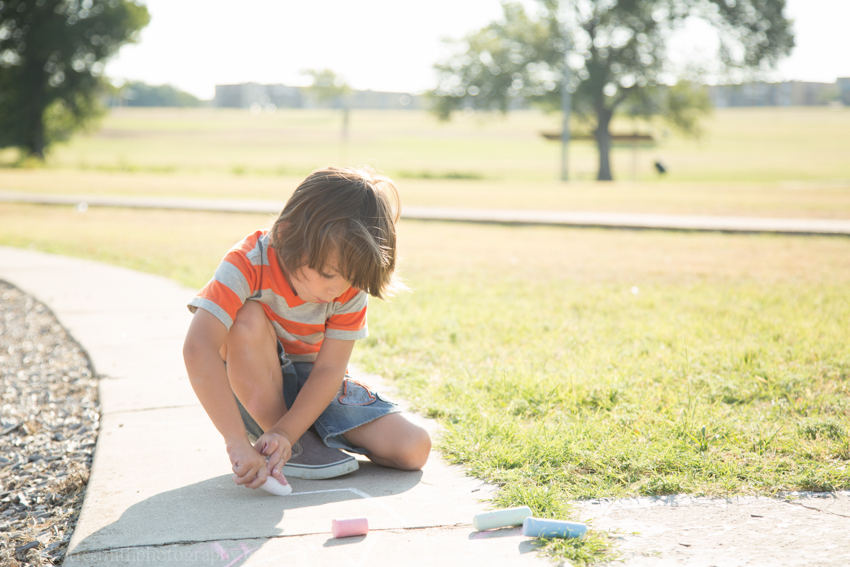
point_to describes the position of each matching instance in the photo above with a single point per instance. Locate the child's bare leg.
(250, 351)
(393, 441)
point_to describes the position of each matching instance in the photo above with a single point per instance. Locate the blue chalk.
(501, 518)
(540, 527)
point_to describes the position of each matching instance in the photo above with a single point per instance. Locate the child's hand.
(277, 447)
(249, 466)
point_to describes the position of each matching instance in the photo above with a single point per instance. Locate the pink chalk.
(349, 527)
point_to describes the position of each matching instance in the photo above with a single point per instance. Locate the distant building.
(385, 100)
(788, 93)
(247, 95)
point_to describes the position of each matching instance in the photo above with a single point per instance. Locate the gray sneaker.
(313, 460)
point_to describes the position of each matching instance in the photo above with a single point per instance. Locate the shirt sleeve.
(348, 321)
(235, 280)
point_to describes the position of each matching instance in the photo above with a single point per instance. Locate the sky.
(382, 45)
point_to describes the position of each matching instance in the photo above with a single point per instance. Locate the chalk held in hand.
(500, 518)
(349, 527)
(273, 486)
(539, 527)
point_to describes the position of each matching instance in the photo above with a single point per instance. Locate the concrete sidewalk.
(160, 491)
(802, 226)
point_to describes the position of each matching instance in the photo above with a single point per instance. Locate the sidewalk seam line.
(103, 413)
(817, 509)
(282, 536)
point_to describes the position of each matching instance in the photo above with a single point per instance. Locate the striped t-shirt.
(250, 272)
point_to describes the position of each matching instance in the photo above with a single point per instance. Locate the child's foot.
(313, 460)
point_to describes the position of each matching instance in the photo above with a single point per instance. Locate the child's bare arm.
(324, 382)
(208, 376)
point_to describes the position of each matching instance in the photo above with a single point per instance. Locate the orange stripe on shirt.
(251, 270)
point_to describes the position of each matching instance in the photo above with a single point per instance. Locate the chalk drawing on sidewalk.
(361, 494)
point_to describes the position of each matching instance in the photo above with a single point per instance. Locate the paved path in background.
(160, 491)
(552, 218)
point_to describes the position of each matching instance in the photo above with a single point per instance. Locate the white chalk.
(540, 527)
(500, 518)
(274, 487)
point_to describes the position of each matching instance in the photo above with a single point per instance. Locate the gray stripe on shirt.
(347, 335)
(230, 276)
(353, 305)
(259, 254)
(310, 339)
(213, 308)
(307, 313)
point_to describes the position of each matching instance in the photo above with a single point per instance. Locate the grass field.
(563, 363)
(739, 145)
(762, 162)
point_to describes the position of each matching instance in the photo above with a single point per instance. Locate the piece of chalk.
(500, 518)
(273, 486)
(349, 527)
(540, 527)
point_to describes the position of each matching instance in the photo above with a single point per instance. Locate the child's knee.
(250, 324)
(415, 452)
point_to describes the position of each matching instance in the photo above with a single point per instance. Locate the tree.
(137, 93)
(327, 87)
(617, 57)
(52, 54)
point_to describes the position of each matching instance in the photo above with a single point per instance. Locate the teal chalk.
(540, 527)
(500, 518)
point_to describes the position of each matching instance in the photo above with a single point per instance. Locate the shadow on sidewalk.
(212, 514)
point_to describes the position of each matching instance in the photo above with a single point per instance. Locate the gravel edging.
(48, 428)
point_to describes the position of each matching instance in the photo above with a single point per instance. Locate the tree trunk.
(36, 109)
(36, 143)
(603, 142)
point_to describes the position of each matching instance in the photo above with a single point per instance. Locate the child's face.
(319, 286)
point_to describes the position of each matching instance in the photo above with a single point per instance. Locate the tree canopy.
(52, 54)
(138, 93)
(327, 87)
(609, 54)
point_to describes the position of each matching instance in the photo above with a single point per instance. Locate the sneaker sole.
(320, 472)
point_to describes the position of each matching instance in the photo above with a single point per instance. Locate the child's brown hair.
(348, 211)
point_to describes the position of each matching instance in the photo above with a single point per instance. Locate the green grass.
(563, 386)
(726, 373)
(826, 200)
(702, 389)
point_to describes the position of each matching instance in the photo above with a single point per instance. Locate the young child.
(268, 347)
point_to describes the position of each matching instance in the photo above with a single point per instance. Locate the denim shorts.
(355, 404)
